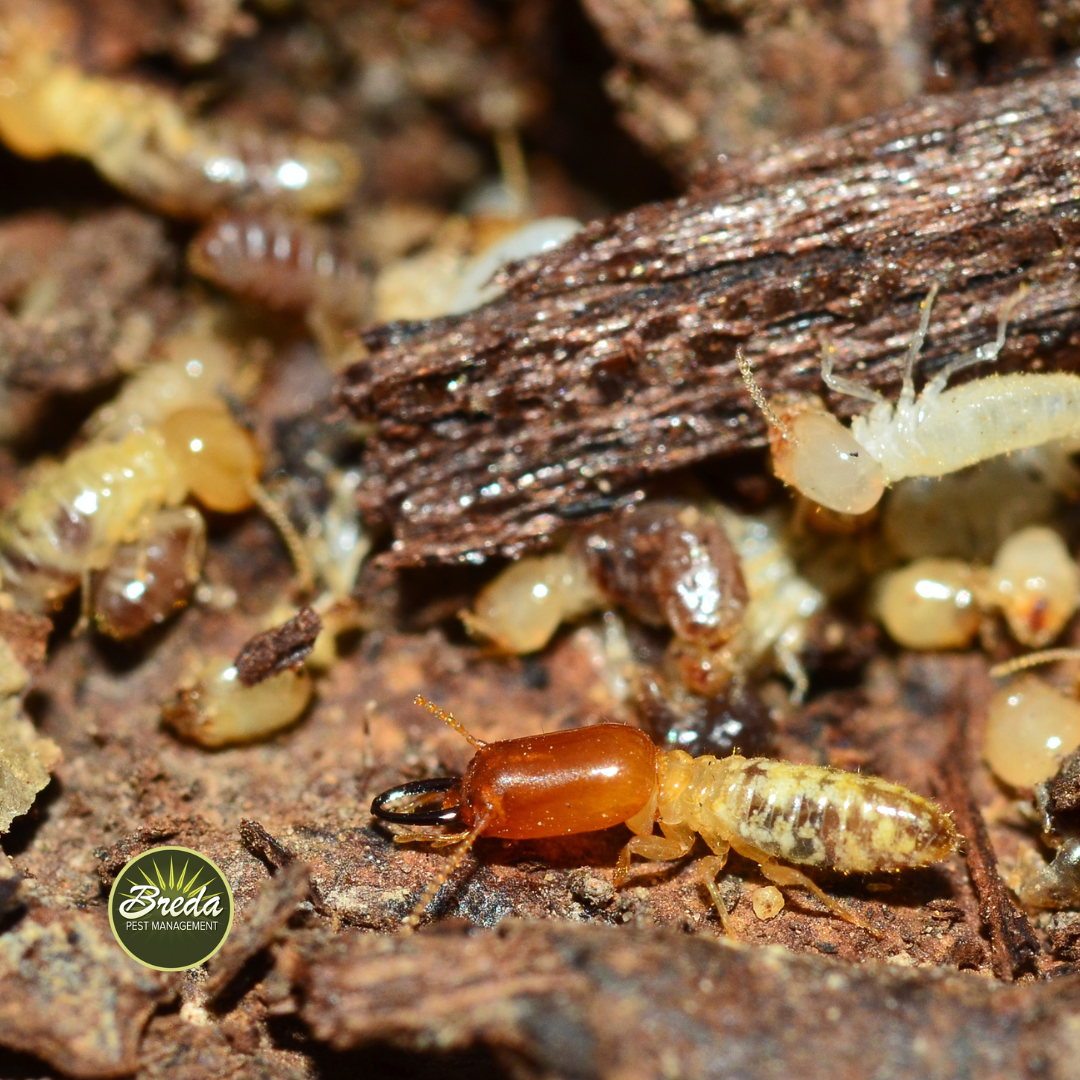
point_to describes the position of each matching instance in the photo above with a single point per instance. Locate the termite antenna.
(1022, 663)
(412, 920)
(755, 391)
(305, 575)
(513, 166)
(450, 719)
(907, 391)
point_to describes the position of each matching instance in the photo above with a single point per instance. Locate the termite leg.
(513, 166)
(782, 875)
(674, 844)
(412, 920)
(793, 668)
(440, 840)
(907, 390)
(984, 353)
(849, 387)
(709, 869)
(86, 604)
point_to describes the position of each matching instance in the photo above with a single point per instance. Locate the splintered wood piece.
(611, 360)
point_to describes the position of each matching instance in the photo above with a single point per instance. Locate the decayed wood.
(603, 1003)
(612, 360)
(1014, 948)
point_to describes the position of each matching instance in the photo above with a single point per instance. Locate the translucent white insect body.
(937, 432)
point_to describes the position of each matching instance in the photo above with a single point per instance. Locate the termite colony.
(708, 621)
(740, 598)
(120, 517)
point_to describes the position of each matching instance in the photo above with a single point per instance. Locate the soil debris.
(559, 999)
(72, 998)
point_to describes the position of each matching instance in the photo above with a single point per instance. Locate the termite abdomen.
(734, 721)
(669, 564)
(281, 262)
(150, 578)
(826, 817)
(555, 785)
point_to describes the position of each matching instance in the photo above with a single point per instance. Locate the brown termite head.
(772, 812)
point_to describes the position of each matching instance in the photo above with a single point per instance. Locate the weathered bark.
(592, 1002)
(612, 360)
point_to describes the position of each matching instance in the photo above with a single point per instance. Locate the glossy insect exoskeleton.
(723, 582)
(151, 578)
(735, 721)
(1032, 741)
(285, 263)
(168, 436)
(772, 812)
(665, 562)
(669, 564)
(938, 603)
(142, 140)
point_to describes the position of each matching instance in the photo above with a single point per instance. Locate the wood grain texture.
(612, 360)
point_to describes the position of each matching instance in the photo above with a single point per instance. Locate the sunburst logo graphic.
(170, 908)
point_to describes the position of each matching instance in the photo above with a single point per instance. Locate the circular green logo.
(170, 908)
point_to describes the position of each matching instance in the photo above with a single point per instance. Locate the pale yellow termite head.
(819, 457)
(815, 454)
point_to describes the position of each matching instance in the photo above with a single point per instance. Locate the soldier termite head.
(586, 779)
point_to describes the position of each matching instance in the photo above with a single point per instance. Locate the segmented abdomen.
(981, 419)
(824, 817)
(71, 521)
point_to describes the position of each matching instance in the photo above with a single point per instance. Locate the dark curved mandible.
(436, 815)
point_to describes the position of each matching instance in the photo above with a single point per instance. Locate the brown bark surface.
(611, 361)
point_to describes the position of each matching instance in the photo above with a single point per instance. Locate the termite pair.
(109, 517)
(938, 432)
(592, 778)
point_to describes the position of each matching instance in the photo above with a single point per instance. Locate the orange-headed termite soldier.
(592, 778)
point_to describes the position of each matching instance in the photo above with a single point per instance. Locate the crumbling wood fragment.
(611, 360)
(69, 996)
(597, 1002)
(26, 758)
(264, 919)
(1014, 948)
(279, 648)
(269, 850)
(1060, 795)
(89, 308)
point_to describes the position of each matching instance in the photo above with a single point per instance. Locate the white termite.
(935, 433)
